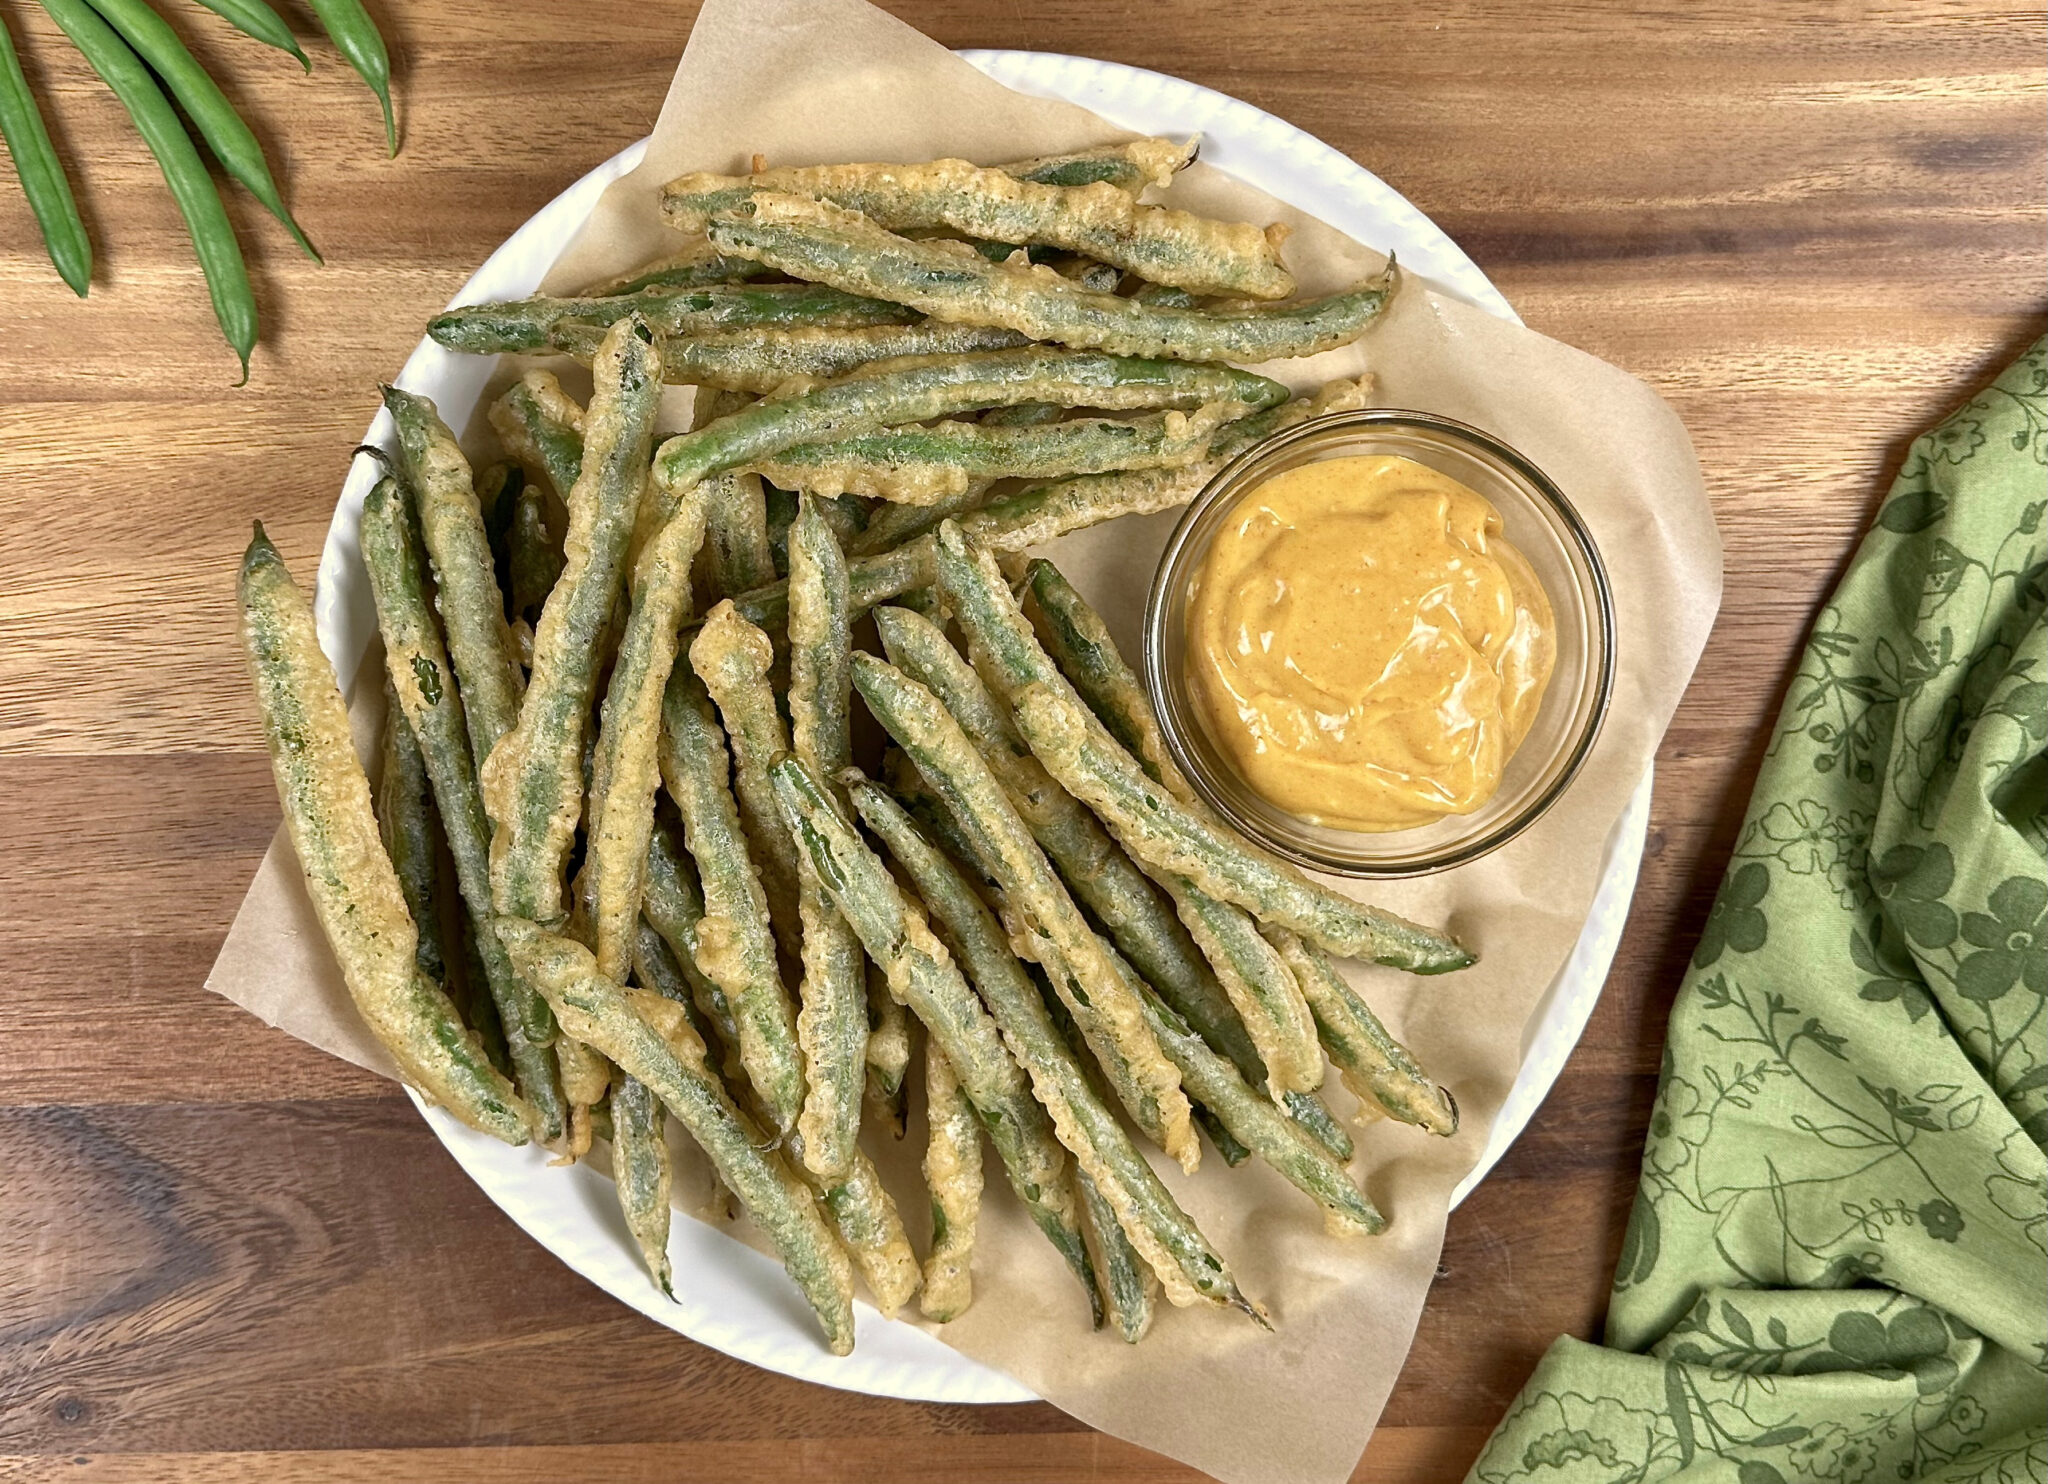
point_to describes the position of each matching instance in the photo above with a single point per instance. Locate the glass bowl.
(1535, 517)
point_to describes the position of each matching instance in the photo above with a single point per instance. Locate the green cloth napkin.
(1837, 1265)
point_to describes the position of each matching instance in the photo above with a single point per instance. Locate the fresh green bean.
(734, 947)
(472, 607)
(417, 664)
(921, 465)
(1128, 1285)
(1103, 223)
(361, 45)
(914, 391)
(1101, 997)
(692, 268)
(641, 1173)
(405, 822)
(627, 771)
(41, 173)
(832, 1026)
(822, 243)
(542, 427)
(354, 891)
(760, 361)
(1042, 513)
(671, 1062)
(1375, 1066)
(204, 103)
(1129, 167)
(952, 1173)
(532, 780)
(922, 976)
(256, 20)
(213, 236)
(1187, 1266)
(529, 324)
(733, 659)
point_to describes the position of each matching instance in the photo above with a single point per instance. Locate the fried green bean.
(627, 771)
(670, 1061)
(894, 524)
(733, 659)
(1186, 1265)
(672, 904)
(1379, 1069)
(534, 555)
(465, 577)
(1130, 166)
(1042, 513)
(542, 427)
(913, 391)
(411, 835)
(759, 361)
(922, 976)
(1196, 253)
(692, 267)
(1099, 994)
(532, 780)
(529, 324)
(812, 240)
(354, 891)
(952, 1173)
(734, 946)
(417, 664)
(1128, 1285)
(888, 1052)
(865, 1217)
(922, 465)
(736, 513)
(641, 1173)
(1260, 985)
(832, 1025)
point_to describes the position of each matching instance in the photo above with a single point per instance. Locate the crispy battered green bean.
(888, 1052)
(832, 1026)
(912, 391)
(673, 905)
(534, 556)
(478, 1009)
(542, 427)
(1128, 1285)
(406, 824)
(892, 525)
(921, 975)
(671, 1062)
(733, 659)
(952, 1172)
(759, 361)
(734, 947)
(532, 780)
(736, 513)
(1260, 985)
(423, 681)
(530, 324)
(1375, 1066)
(1169, 1242)
(627, 772)
(1098, 992)
(1166, 296)
(1170, 838)
(1165, 245)
(354, 891)
(693, 267)
(1130, 166)
(922, 465)
(641, 1173)
(465, 578)
(866, 1219)
(1042, 513)
(812, 240)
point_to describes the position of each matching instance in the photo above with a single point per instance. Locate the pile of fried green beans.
(145, 64)
(636, 860)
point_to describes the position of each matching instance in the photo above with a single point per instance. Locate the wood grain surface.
(1811, 226)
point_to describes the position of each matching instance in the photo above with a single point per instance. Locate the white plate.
(729, 1296)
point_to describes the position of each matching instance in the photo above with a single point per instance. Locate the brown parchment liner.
(829, 81)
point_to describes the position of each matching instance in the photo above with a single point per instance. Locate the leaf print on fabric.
(2012, 947)
(1735, 921)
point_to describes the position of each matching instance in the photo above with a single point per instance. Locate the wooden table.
(1813, 227)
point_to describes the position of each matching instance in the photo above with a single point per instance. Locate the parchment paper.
(826, 81)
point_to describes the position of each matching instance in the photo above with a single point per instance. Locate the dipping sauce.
(1369, 651)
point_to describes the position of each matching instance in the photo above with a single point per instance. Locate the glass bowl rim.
(1489, 447)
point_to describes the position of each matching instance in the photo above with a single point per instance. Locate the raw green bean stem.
(670, 1061)
(530, 324)
(213, 236)
(41, 173)
(812, 240)
(256, 20)
(204, 103)
(361, 45)
(354, 891)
